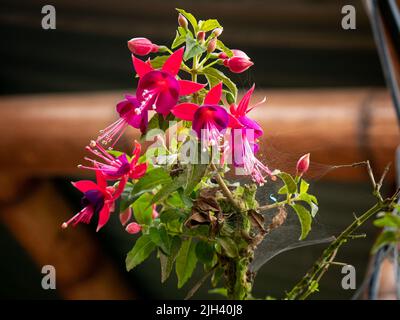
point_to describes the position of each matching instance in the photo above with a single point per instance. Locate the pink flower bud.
(141, 46)
(182, 21)
(217, 32)
(240, 53)
(212, 45)
(223, 56)
(303, 164)
(125, 216)
(238, 64)
(155, 213)
(201, 35)
(133, 228)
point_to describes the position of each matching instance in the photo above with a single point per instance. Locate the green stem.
(304, 287)
(209, 65)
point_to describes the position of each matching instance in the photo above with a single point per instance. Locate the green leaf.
(167, 262)
(204, 252)
(142, 210)
(304, 186)
(209, 25)
(169, 188)
(309, 199)
(222, 77)
(158, 61)
(195, 174)
(185, 262)
(153, 178)
(220, 291)
(159, 122)
(143, 247)
(116, 153)
(161, 238)
(223, 48)
(283, 190)
(388, 220)
(190, 18)
(193, 48)
(288, 181)
(305, 219)
(386, 237)
(229, 246)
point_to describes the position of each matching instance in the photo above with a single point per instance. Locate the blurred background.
(325, 95)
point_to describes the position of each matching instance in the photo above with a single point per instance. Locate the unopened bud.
(182, 21)
(217, 32)
(223, 56)
(201, 35)
(229, 98)
(212, 45)
(141, 46)
(303, 164)
(133, 228)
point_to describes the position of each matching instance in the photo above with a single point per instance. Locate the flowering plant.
(177, 195)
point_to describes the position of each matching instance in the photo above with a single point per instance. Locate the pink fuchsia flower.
(141, 46)
(159, 89)
(244, 140)
(208, 120)
(116, 167)
(239, 63)
(98, 198)
(303, 164)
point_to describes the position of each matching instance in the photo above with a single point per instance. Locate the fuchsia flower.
(114, 168)
(157, 90)
(142, 46)
(245, 139)
(97, 199)
(239, 63)
(208, 120)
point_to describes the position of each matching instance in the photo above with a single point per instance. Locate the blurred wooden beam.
(46, 134)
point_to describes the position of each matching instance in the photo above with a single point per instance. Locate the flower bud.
(303, 164)
(141, 46)
(212, 45)
(201, 35)
(133, 228)
(182, 21)
(223, 56)
(154, 213)
(240, 53)
(217, 32)
(229, 98)
(238, 64)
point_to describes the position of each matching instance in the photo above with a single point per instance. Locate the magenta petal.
(251, 124)
(214, 95)
(141, 67)
(173, 63)
(101, 180)
(210, 114)
(185, 111)
(188, 87)
(84, 185)
(234, 123)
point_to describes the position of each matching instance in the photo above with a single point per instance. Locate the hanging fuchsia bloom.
(208, 120)
(142, 46)
(114, 168)
(245, 139)
(159, 89)
(97, 199)
(239, 63)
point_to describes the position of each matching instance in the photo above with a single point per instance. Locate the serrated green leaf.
(288, 181)
(167, 262)
(143, 247)
(222, 77)
(161, 238)
(388, 220)
(209, 25)
(158, 61)
(185, 262)
(386, 237)
(229, 246)
(192, 48)
(142, 210)
(223, 48)
(305, 219)
(204, 252)
(190, 18)
(152, 179)
(304, 186)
